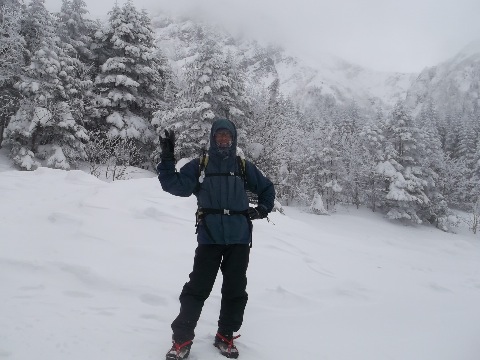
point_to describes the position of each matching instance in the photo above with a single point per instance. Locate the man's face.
(223, 138)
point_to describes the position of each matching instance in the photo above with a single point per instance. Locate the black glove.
(256, 213)
(167, 144)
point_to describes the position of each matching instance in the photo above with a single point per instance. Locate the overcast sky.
(386, 35)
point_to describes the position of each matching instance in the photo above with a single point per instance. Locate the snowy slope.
(344, 81)
(92, 270)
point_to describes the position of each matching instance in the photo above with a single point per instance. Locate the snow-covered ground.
(92, 270)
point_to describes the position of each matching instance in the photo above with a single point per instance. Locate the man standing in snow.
(224, 232)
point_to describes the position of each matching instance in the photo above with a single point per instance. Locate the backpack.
(202, 212)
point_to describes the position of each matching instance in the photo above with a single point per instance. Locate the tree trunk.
(2, 128)
(33, 146)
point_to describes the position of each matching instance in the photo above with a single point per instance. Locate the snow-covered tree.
(12, 52)
(350, 119)
(373, 141)
(129, 84)
(273, 136)
(454, 183)
(12, 44)
(353, 153)
(317, 206)
(76, 36)
(314, 150)
(158, 84)
(44, 125)
(451, 134)
(476, 168)
(468, 139)
(76, 31)
(355, 158)
(432, 160)
(36, 25)
(322, 166)
(402, 171)
(45, 132)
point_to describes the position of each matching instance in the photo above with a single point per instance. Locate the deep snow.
(93, 270)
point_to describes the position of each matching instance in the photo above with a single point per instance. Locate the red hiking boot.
(179, 351)
(224, 343)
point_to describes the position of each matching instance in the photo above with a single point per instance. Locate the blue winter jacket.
(219, 191)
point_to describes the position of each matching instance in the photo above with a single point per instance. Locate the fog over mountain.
(387, 35)
(345, 81)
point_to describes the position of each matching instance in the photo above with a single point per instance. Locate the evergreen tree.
(454, 183)
(371, 136)
(36, 25)
(44, 126)
(158, 84)
(76, 31)
(357, 162)
(129, 83)
(130, 76)
(274, 138)
(353, 154)
(432, 160)
(102, 45)
(322, 167)
(402, 171)
(332, 171)
(12, 44)
(12, 51)
(169, 81)
(467, 139)
(452, 135)
(350, 119)
(475, 180)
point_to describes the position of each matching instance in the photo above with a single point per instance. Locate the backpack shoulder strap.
(242, 167)
(201, 167)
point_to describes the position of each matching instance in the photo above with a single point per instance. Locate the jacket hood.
(223, 124)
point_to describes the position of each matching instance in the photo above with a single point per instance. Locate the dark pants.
(233, 261)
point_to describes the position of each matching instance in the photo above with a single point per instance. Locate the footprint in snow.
(77, 294)
(153, 300)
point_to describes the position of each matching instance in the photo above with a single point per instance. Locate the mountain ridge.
(447, 84)
(452, 85)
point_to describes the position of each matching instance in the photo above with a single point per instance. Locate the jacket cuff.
(262, 209)
(164, 164)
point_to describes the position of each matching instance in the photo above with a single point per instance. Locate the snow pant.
(233, 262)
